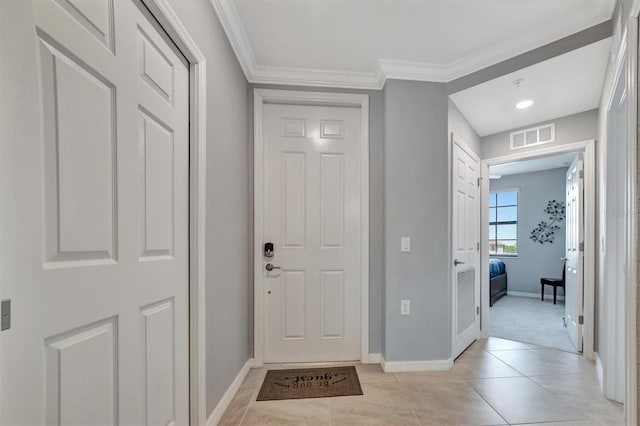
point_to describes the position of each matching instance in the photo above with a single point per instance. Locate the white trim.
(599, 371)
(405, 366)
(162, 11)
(385, 68)
(630, 295)
(260, 97)
(232, 390)
(547, 296)
(589, 149)
(376, 359)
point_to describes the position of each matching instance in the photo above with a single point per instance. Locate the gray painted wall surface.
(534, 260)
(376, 207)
(416, 206)
(227, 310)
(573, 128)
(460, 127)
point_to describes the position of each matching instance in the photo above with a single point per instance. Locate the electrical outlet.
(405, 307)
(405, 244)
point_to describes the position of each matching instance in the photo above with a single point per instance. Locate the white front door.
(574, 284)
(312, 217)
(465, 248)
(97, 259)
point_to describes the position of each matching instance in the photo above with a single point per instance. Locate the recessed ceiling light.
(524, 104)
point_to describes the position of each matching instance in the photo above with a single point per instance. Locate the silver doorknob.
(269, 267)
(457, 262)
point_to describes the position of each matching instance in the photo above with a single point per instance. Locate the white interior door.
(574, 284)
(98, 242)
(466, 248)
(312, 216)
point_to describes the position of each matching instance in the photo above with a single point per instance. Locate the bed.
(497, 280)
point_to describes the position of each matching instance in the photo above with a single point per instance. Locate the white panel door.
(574, 284)
(312, 216)
(465, 248)
(99, 277)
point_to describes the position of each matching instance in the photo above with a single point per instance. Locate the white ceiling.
(560, 86)
(534, 165)
(360, 43)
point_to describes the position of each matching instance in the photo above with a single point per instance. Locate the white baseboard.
(375, 359)
(228, 396)
(599, 371)
(405, 366)
(532, 295)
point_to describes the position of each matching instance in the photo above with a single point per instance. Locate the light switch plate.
(405, 244)
(405, 307)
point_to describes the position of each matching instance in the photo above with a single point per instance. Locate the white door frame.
(455, 140)
(264, 96)
(588, 147)
(164, 14)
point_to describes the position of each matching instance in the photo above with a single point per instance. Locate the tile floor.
(495, 382)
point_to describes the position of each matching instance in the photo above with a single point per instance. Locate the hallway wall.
(227, 310)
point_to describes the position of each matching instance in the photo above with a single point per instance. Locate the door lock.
(269, 267)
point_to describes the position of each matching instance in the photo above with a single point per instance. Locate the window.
(503, 223)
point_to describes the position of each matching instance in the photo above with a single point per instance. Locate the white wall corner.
(416, 366)
(225, 401)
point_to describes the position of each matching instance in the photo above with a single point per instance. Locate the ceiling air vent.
(533, 136)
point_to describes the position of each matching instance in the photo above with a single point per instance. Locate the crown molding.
(385, 69)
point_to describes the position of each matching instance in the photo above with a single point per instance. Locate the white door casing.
(100, 333)
(322, 246)
(574, 284)
(465, 247)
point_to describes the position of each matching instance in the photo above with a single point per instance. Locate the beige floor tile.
(519, 400)
(372, 373)
(255, 377)
(481, 365)
(288, 412)
(453, 403)
(545, 362)
(572, 423)
(381, 404)
(498, 344)
(239, 406)
(583, 393)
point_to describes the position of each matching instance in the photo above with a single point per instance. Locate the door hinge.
(477, 310)
(479, 180)
(5, 313)
(478, 246)
(581, 319)
(581, 246)
(581, 174)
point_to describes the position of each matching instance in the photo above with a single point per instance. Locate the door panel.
(312, 215)
(574, 285)
(100, 283)
(466, 238)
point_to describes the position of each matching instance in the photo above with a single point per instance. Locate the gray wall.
(573, 128)
(227, 200)
(416, 206)
(459, 126)
(376, 208)
(534, 260)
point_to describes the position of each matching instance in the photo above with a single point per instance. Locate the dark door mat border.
(302, 383)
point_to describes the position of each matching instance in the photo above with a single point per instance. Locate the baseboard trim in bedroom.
(228, 396)
(406, 366)
(599, 371)
(532, 295)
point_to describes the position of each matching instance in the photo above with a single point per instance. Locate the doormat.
(310, 383)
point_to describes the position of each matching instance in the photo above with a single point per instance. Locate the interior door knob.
(457, 262)
(269, 267)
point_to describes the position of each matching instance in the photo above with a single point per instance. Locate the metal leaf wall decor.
(545, 232)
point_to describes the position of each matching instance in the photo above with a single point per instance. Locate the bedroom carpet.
(529, 320)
